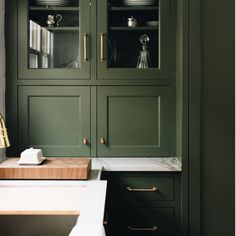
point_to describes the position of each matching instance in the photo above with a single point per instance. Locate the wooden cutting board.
(52, 168)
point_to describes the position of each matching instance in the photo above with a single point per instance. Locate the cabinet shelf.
(62, 28)
(134, 28)
(54, 8)
(139, 8)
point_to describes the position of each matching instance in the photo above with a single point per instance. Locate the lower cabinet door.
(55, 119)
(141, 222)
(133, 120)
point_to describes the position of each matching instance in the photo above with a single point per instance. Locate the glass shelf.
(52, 8)
(136, 8)
(134, 28)
(61, 28)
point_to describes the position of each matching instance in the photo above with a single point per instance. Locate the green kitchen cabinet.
(143, 203)
(54, 39)
(123, 76)
(133, 120)
(55, 119)
(122, 53)
(64, 40)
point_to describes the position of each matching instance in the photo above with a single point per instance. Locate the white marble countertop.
(137, 164)
(87, 200)
(91, 213)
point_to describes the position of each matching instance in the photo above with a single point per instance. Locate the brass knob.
(85, 141)
(102, 141)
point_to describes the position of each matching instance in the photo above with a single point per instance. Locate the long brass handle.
(102, 141)
(85, 47)
(154, 189)
(102, 57)
(154, 228)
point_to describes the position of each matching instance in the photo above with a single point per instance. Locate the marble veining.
(137, 164)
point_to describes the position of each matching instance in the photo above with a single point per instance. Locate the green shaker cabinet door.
(55, 119)
(133, 120)
(54, 39)
(133, 39)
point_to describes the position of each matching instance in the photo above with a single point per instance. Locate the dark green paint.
(218, 119)
(55, 119)
(133, 121)
(137, 209)
(165, 187)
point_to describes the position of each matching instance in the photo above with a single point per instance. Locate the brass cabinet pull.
(102, 57)
(102, 141)
(85, 141)
(85, 47)
(154, 228)
(154, 189)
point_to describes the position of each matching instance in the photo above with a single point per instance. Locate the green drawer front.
(142, 188)
(141, 222)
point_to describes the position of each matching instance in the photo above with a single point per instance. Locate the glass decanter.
(144, 60)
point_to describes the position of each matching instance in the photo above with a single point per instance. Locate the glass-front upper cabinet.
(54, 38)
(133, 39)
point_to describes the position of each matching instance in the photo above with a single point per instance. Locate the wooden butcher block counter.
(51, 168)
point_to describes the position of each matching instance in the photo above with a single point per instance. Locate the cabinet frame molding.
(54, 73)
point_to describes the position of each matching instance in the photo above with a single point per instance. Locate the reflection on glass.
(54, 34)
(33, 61)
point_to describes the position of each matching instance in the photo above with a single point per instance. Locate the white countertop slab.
(41, 198)
(137, 164)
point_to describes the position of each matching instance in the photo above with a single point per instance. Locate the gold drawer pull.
(154, 228)
(154, 189)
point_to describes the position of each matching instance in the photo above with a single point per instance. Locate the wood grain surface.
(51, 168)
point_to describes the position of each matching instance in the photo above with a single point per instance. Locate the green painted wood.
(55, 119)
(122, 218)
(106, 72)
(133, 121)
(195, 73)
(165, 186)
(182, 109)
(56, 73)
(218, 119)
(134, 210)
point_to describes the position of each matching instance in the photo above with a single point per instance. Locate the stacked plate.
(53, 2)
(140, 2)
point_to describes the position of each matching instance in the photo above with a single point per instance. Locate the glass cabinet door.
(54, 39)
(133, 39)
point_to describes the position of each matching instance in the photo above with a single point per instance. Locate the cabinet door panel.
(55, 119)
(120, 192)
(53, 39)
(141, 222)
(122, 53)
(133, 121)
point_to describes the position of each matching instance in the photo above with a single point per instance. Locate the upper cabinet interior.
(130, 39)
(134, 40)
(53, 39)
